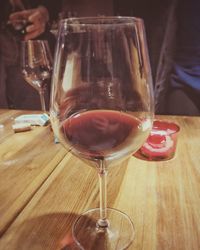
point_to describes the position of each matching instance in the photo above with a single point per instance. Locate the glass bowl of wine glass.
(36, 65)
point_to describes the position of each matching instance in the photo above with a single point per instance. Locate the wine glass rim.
(103, 20)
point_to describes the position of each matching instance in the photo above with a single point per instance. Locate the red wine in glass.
(102, 134)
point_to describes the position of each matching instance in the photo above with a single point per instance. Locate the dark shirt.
(186, 69)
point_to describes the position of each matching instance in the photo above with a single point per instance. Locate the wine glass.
(102, 110)
(36, 63)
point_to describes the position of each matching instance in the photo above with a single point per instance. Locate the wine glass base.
(117, 236)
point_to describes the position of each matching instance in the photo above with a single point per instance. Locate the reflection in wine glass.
(36, 63)
(102, 109)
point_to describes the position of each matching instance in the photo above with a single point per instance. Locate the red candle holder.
(161, 143)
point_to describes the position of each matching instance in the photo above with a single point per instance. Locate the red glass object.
(161, 143)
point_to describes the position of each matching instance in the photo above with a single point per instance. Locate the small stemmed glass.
(102, 110)
(36, 64)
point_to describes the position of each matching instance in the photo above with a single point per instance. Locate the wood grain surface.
(26, 161)
(42, 195)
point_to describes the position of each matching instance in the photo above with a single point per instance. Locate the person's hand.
(37, 18)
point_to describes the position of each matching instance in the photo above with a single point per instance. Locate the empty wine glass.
(36, 63)
(102, 110)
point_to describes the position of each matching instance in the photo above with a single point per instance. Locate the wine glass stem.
(103, 222)
(42, 100)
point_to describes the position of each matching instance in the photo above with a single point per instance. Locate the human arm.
(38, 17)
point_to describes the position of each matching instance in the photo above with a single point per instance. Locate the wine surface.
(103, 133)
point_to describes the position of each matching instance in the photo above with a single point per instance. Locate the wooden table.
(43, 189)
